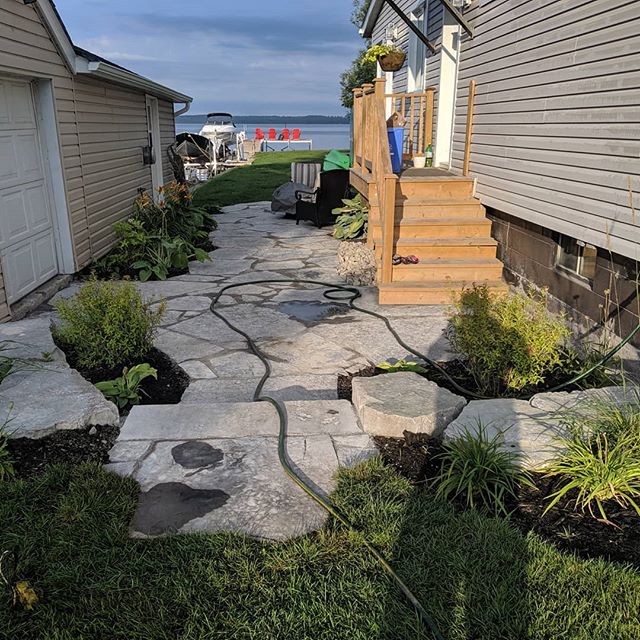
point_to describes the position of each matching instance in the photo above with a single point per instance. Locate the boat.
(219, 128)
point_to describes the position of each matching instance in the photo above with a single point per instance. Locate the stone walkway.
(210, 463)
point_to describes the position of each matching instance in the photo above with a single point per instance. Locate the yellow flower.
(26, 595)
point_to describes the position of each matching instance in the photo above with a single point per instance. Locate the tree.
(355, 76)
(360, 8)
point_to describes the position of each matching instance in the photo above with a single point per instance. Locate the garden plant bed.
(169, 388)
(33, 457)
(416, 458)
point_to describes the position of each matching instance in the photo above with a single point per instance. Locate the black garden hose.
(348, 295)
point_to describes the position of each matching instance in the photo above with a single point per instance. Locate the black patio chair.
(317, 205)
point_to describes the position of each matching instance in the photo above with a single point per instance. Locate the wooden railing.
(417, 109)
(372, 161)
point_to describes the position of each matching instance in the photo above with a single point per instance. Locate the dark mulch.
(415, 457)
(32, 457)
(167, 389)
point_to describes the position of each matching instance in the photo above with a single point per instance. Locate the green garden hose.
(348, 295)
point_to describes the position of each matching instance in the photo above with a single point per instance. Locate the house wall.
(388, 18)
(112, 129)
(528, 252)
(556, 132)
(101, 129)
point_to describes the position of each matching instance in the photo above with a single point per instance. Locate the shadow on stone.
(167, 507)
(196, 455)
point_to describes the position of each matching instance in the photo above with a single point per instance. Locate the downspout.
(179, 112)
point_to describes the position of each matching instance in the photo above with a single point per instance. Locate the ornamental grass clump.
(107, 324)
(508, 342)
(600, 455)
(478, 471)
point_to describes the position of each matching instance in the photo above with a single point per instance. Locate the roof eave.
(366, 31)
(110, 73)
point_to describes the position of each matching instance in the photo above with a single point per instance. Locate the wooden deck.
(430, 213)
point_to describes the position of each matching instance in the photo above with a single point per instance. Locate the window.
(417, 51)
(576, 257)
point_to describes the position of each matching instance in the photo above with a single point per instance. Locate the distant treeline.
(198, 119)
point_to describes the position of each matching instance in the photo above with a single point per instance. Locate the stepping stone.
(49, 397)
(526, 430)
(390, 404)
(215, 467)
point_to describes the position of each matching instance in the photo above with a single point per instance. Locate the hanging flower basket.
(392, 61)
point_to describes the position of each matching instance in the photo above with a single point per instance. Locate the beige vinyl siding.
(27, 50)
(112, 130)
(556, 138)
(389, 17)
(167, 136)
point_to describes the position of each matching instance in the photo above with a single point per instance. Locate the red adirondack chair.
(259, 134)
(271, 134)
(295, 134)
(285, 134)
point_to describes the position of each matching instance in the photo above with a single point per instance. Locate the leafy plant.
(476, 469)
(107, 324)
(159, 236)
(401, 365)
(124, 390)
(379, 51)
(352, 220)
(509, 342)
(598, 470)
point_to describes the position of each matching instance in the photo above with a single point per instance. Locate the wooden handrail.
(372, 159)
(469, 131)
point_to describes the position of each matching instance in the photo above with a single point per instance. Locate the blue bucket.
(396, 138)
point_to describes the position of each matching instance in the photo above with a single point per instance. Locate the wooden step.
(451, 188)
(428, 292)
(439, 228)
(426, 208)
(446, 248)
(448, 270)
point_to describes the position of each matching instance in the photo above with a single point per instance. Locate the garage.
(27, 236)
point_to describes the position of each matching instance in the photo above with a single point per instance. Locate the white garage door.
(27, 246)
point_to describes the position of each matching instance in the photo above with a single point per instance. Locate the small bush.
(125, 390)
(509, 343)
(476, 469)
(107, 324)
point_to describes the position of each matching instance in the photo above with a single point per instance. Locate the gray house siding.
(556, 137)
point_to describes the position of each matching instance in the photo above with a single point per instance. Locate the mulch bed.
(415, 457)
(32, 457)
(167, 389)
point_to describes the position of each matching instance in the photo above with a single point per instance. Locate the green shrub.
(107, 324)
(124, 391)
(598, 470)
(476, 469)
(509, 342)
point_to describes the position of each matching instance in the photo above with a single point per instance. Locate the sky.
(255, 57)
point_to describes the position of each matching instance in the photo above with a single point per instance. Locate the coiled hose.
(348, 295)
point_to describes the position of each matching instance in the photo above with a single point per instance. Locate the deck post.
(469, 132)
(429, 117)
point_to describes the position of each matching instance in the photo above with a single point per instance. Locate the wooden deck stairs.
(430, 213)
(438, 220)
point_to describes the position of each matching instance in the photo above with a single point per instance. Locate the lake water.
(324, 136)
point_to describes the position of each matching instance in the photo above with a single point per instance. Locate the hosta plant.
(125, 390)
(352, 219)
(401, 365)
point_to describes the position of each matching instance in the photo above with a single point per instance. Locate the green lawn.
(254, 182)
(477, 576)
